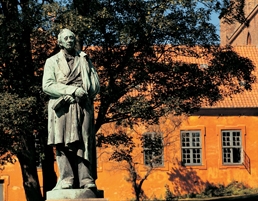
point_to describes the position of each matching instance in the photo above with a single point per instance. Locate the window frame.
(1, 189)
(5, 182)
(242, 129)
(202, 130)
(152, 134)
(191, 147)
(230, 139)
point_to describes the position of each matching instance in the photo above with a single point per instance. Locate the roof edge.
(227, 112)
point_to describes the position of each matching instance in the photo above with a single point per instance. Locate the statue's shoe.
(66, 186)
(63, 186)
(90, 186)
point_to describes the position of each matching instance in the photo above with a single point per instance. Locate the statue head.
(66, 39)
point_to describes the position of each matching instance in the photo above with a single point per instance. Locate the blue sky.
(215, 21)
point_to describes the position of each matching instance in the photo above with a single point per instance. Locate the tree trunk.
(137, 196)
(27, 161)
(49, 175)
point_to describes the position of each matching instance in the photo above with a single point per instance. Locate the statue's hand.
(69, 99)
(80, 92)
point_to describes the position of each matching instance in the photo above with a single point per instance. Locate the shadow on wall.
(185, 180)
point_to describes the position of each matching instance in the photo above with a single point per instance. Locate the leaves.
(16, 119)
(122, 144)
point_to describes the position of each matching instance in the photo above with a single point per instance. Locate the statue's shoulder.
(55, 56)
(82, 54)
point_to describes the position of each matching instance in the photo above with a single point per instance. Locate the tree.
(16, 125)
(126, 148)
(136, 50)
(22, 105)
(135, 46)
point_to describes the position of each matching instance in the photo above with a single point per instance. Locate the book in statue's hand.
(60, 102)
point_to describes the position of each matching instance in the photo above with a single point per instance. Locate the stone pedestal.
(86, 199)
(74, 195)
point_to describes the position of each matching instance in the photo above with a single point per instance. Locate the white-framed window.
(191, 147)
(231, 147)
(153, 149)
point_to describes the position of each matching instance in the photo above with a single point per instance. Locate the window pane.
(231, 147)
(147, 156)
(191, 147)
(196, 155)
(236, 155)
(153, 149)
(196, 134)
(226, 155)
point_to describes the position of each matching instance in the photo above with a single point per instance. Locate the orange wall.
(13, 189)
(112, 176)
(13, 183)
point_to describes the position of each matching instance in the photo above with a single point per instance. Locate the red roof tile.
(246, 99)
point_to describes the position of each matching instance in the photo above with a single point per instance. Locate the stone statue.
(72, 83)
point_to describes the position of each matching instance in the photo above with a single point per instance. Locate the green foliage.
(219, 190)
(233, 188)
(20, 89)
(16, 121)
(121, 143)
(168, 194)
(23, 52)
(212, 190)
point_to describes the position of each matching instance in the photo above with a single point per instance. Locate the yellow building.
(225, 142)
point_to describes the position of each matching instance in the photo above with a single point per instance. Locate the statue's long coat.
(72, 125)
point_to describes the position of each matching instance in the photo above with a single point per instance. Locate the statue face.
(68, 40)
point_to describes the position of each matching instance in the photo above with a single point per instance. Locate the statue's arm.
(50, 85)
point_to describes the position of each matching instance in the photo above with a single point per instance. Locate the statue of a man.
(71, 82)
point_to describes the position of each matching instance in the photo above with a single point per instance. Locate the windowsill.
(226, 166)
(164, 167)
(199, 167)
